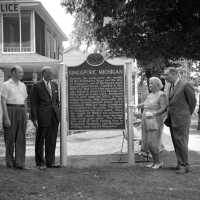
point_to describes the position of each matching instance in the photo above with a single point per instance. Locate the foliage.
(83, 29)
(144, 29)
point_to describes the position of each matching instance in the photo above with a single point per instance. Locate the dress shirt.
(48, 86)
(172, 87)
(14, 92)
(175, 83)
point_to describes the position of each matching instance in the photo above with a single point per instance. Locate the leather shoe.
(183, 170)
(158, 165)
(53, 166)
(9, 166)
(41, 167)
(177, 167)
(20, 167)
(150, 165)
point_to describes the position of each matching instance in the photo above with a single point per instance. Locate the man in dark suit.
(182, 103)
(45, 117)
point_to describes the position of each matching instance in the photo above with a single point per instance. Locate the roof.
(70, 49)
(39, 8)
(27, 60)
(73, 56)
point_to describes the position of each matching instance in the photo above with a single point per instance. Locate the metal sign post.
(135, 74)
(63, 125)
(131, 155)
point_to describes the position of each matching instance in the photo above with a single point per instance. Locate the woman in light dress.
(154, 106)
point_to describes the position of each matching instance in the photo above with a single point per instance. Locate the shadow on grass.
(98, 182)
(117, 159)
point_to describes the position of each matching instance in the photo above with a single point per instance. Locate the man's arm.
(163, 104)
(26, 108)
(190, 97)
(56, 101)
(57, 93)
(34, 105)
(6, 119)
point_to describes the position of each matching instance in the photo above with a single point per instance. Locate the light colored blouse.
(155, 102)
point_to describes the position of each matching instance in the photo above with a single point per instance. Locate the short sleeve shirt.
(14, 93)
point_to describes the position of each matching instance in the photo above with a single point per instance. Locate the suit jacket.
(43, 105)
(181, 104)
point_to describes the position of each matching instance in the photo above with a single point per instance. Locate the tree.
(83, 30)
(149, 30)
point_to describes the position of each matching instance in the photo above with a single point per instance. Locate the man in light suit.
(182, 103)
(45, 116)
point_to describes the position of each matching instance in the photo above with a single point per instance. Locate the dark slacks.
(46, 136)
(198, 126)
(180, 136)
(15, 137)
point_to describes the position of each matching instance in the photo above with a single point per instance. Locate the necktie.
(49, 88)
(171, 91)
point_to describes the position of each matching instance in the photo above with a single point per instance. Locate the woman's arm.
(140, 106)
(163, 104)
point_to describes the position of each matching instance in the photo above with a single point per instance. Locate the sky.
(65, 21)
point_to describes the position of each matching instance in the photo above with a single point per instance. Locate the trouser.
(15, 137)
(198, 126)
(46, 136)
(180, 136)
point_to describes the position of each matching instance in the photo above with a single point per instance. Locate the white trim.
(33, 28)
(2, 46)
(20, 31)
(17, 52)
(11, 1)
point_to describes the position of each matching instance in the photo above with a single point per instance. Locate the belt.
(16, 105)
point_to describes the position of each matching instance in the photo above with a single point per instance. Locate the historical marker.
(96, 96)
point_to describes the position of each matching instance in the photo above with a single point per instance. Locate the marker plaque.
(96, 97)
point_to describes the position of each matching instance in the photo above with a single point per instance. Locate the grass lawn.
(115, 181)
(105, 180)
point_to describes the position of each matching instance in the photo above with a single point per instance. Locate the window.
(54, 48)
(25, 32)
(40, 35)
(11, 33)
(17, 32)
(51, 45)
(48, 38)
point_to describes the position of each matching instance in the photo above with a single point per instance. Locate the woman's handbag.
(151, 123)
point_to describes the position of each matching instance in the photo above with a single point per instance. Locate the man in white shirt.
(13, 98)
